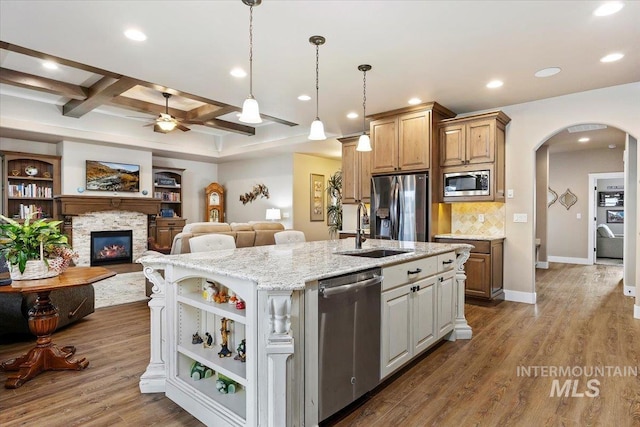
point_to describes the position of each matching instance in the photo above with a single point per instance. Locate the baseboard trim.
(629, 291)
(569, 260)
(636, 311)
(518, 296)
(542, 264)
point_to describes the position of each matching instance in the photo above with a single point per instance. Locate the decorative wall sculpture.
(552, 196)
(568, 199)
(258, 190)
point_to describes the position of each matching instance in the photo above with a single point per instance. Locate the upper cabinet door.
(350, 178)
(452, 145)
(384, 138)
(481, 141)
(414, 141)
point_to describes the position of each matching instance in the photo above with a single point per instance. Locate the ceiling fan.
(165, 122)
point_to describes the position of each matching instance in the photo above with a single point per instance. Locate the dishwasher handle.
(328, 292)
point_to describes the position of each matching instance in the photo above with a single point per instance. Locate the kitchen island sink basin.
(376, 253)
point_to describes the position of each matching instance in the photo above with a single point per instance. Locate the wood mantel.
(78, 205)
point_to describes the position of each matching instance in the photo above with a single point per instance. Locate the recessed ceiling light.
(612, 145)
(548, 72)
(609, 8)
(494, 84)
(583, 139)
(612, 57)
(304, 97)
(352, 115)
(136, 35)
(238, 72)
(50, 65)
(415, 101)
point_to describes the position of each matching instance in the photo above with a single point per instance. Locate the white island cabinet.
(277, 384)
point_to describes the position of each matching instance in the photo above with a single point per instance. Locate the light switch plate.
(481, 217)
(520, 217)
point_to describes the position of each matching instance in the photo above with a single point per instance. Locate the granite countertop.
(469, 236)
(291, 266)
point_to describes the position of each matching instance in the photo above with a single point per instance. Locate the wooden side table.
(43, 319)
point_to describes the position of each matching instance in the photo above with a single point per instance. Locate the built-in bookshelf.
(30, 182)
(167, 186)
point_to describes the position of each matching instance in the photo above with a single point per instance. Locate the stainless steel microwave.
(464, 184)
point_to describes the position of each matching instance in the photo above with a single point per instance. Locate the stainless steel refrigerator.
(400, 207)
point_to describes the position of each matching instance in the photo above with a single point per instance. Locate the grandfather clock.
(214, 194)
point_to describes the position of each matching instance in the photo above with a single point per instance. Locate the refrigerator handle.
(395, 217)
(400, 212)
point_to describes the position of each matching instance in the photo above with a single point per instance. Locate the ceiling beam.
(145, 107)
(56, 59)
(99, 94)
(228, 126)
(207, 112)
(42, 84)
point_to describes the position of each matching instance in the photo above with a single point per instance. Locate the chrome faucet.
(359, 236)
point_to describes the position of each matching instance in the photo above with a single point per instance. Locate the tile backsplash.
(465, 218)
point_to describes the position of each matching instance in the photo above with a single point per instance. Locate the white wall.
(567, 234)
(240, 177)
(531, 124)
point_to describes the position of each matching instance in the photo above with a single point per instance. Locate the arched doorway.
(568, 165)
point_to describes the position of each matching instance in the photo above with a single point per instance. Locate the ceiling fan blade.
(150, 124)
(182, 128)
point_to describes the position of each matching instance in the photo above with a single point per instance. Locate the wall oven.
(467, 183)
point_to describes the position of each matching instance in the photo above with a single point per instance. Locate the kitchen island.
(276, 326)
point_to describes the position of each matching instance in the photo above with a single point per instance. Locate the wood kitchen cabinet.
(484, 268)
(356, 172)
(165, 230)
(401, 139)
(474, 143)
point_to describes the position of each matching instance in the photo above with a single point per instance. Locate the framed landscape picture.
(616, 217)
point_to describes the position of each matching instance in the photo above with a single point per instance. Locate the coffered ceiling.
(445, 51)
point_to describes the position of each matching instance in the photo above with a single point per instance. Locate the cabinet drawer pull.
(441, 279)
(416, 271)
(447, 262)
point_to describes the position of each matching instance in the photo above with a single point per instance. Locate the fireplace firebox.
(111, 247)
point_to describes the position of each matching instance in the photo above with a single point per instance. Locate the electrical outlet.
(510, 193)
(285, 215)
(520, 217)
(481, 217)
(578, 216)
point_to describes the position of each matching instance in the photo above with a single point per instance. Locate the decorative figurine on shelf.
(197, 339)
(232, 297)
(240, 304)
(225, 384)
(224, 333)
(209, 292)
(221, 296)
(208, 341)
(200, 371)
(242, 351)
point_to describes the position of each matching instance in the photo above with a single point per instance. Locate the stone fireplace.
(86, 214)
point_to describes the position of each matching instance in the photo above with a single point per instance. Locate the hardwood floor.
(581, 320)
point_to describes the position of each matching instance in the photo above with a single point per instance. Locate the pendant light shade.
(250, 109)
(364, 143)
(316, 132)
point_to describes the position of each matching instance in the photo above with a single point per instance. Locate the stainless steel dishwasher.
(348, 338)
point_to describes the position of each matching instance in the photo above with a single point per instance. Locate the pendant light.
(316, 132)
(364, 144)
(250, 109)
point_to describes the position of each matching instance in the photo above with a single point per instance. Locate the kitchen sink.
(376, 253)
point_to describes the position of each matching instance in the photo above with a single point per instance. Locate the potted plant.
(34, 249)
(334, 208)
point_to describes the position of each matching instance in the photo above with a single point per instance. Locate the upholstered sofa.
(252, 233)
(608, 245)
(73, 304)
